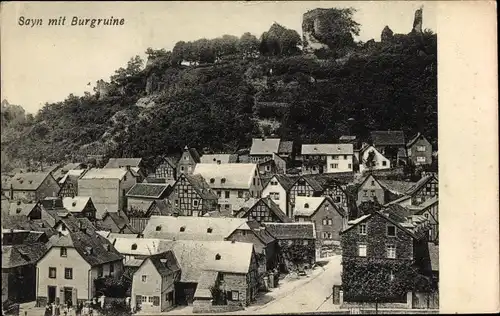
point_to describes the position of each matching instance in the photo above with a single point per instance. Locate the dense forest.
(216, 94)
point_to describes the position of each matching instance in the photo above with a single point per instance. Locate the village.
(275, 228)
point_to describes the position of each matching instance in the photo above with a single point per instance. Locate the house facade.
(80, 207)
(327, 158)
(189, 158)
(425, 188)
(419, 150)
(192, 195)
(391, 144)
(303, 187)
(263, 149)
(278, 189)
(30, 186)
(371, 189)
(167, 169)
(372, 159)
(265, 211)
(69, 183)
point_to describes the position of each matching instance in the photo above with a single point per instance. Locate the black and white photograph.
(198, 158)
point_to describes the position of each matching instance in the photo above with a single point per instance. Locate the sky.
(46, 63)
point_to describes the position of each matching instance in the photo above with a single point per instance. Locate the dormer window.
(158, 228)
(306, 205)
(134, 247)
(209, 230)
(183, 228)
(223, 180)
(73, 204)
(217, 257)
(212, 180)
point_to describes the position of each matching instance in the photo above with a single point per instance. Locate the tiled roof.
(72, 175)
(286, 147)
(273, 207)
(201, 187)
(223, 158)
(229, 175)
(327, 149)
(261, 232)
(417, 186)
(393, 220)
(76, 204)
(402, 199)
(120, 220)
(194, 228)
(165, 263)
(93, 249)
(123, 162)
(397, 187)
(20, 222)
(172, 160)
(21, 255)
(28, 181)
(291, 230)
(148, 190)
(74, 224)
(413, 139)
(194, 153)
(266, 146)
(285, 181)
(205, 282)
(315, 185)
(103, 208)
(72, 166)
(105, 173)
(397, 212)
(387, 138)
(138, 246)
(434, 255)
(20, 208)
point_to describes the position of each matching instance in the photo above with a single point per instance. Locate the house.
(372, 159)
(189, 158)
(263, 149)
(20, 223)
(80, 206)
(327, 158)
(430, 210)
(192, 195)
(265, 211)
(427, 187)
(383, 191)
(296, 243)
(141, 195)
(278, 188)
(115, 222)
(64, 170)
(153, 283)
(69, 183)
(30, 211)
(275, 165)
(134, 164)
(285, 150)
(30, 186)
(219, 158)
(336, 189)
(19, 271)
(107, 188)
(349, 139)
(394, 242)
(23, 237)
(69, 223)
(419, 150)
(391, 144)
(328, 219)
(139, 219)
(167, 169)
(67, 271)
(234, 183)
(137, 248)
(303, 186)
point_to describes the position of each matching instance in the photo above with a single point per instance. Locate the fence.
(425, 300)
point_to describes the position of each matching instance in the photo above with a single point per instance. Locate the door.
(68, 296)
(51, 294)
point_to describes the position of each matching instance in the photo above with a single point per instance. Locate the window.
(183, 228)
(195, 202)
(391, 251)
(52, 273)
(150, 299)
(420, 159)
(125, 178)
(362, 250)
(68, 273)
(373, 182)
(349, 166)
(384, 163)
(223, 180)
(334, 165)
(372, 192)
(226, 194)
(186, 158)
(182, 168)
(324, 222)
(421, 148)
(253, 180)
(306, 205)
(365, 192)
(111, 269)
(274, 182)
(156, 301)
(176, 202)
(212, 180)
(345, 157)
(235, 295)
(306, 242)
(209, 230)
(144, 299)
(275, 195)
(391, 276)
(240, 194)
(100, 272)
(362, 229)
(227, 206)
(338, 199)
(144, 278)
(268, 168)
(134, 246)
(330, 222)
(64, 252)
(391, 230)
(63, 228)
(219, 193)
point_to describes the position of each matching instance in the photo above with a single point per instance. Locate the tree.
(371, 160)
(178, 53)
(134, 66)
(248, 45)
(340, 28)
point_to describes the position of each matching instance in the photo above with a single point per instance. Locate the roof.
(420, 183)
(165, 263)
(105, 173)
(72, 166)
(205, 282)
(286, 147)
(311, 202)
(273, 207)
(148, 190)
(75, 204)
(20, 222)
(229, 175)
(393, 220)
(397, 187)
(201, 187)
(123, 162)
(72, 175)
(195, 257)
(28, 181)
(285, 181)
(118, 218)
(347, 137)
(20, 208)
(103, 208)
(137, 246)
(73, 223)
(223, 158)
(327, 149)
(300, 230)
(414, 139)
(194, 154)
(387, 138)
(397, 212)
(266, 146)
(315, 185)
(195, 228)
(21, 255)
(434, 255)
(171, 160)
(93, 248)
(402, 199)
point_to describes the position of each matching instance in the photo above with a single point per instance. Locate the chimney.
(53, 204)
(127, 167)
(11, 192)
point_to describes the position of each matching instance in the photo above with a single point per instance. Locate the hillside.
(217, 94)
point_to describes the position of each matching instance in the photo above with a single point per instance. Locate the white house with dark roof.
(107, 187)
(141, 195)
(30, 186)
(236, 184)
(263, 148)
(80, 206)
(372, 159)
(327, 158)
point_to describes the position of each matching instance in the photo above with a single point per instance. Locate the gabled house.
(265, 211)
(107, 188)
(192, 195)
(68, 223)
(236, 184)
(80, 206)
(189, 158)
(275, 165)
(328, 219)
(383, 191)
(137, 248)
(134, 164)
(430, 210)
(219, 158)
(303, 186)
(19, 271)
(30, 211)
(391, 144)
(153, 283)
(419, 150)
(67, 271)
(263, 149)
(278, 189)
(142, 194)
(30, 186)
(285, 150)
(69, 183)
(68, 168)
(115, 222)
(327, 158)
(167, 169)
(425, 188)
(20, 223)
(23, 237)
(372, 159)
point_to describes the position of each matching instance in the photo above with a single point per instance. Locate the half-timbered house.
(265, 211)
(167, 169)
(69, 183)
(424, 189)
(192, 195)
(278, 188)
(190, 157)
(303, 187)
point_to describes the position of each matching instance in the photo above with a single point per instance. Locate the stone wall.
(204, 307)
(407, 305)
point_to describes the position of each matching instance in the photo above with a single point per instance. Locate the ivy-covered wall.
(297, 253)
